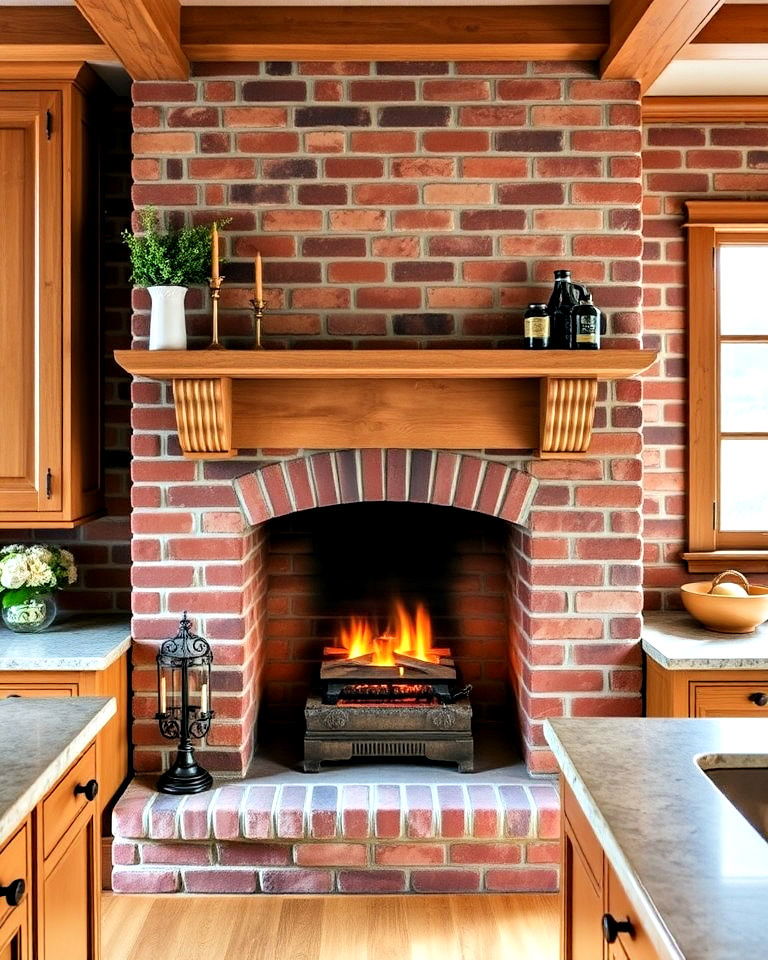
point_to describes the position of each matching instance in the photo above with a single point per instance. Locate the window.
(728, 391)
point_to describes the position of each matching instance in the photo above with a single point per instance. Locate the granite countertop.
(678, 642)
(693, 867)
(79, 643)
(39, 739)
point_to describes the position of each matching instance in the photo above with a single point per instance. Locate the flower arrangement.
(27, 571)
(175, 258)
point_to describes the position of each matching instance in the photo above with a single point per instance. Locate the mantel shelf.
(504, 399)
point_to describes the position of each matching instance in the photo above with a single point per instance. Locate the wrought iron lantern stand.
(184, 656)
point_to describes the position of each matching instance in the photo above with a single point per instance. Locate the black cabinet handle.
(759, 699)
(90, 790)
(613, 927)
(14, 892)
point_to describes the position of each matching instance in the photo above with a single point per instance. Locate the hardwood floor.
(487, 927)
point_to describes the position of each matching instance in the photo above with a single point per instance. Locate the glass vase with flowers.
(30, 575)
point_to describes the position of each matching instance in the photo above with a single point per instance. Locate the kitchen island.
(649, 839)
(49, 827)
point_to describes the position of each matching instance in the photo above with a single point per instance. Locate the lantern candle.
(215, 251)
(204, 698)
(163, 701)
(257, 273)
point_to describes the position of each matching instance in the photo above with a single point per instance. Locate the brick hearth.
(355, 838)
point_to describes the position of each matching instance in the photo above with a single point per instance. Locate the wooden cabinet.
(113, 742)
(68, 866)
(50, 471)
(598, 919)
(56, 854)
(16, 900)
(705, 693)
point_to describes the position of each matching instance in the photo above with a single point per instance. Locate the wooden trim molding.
(705, 109)
(727, 215)
(715, 561)
(48, 33)
(562, 32)
(646, 36)
(507, 399)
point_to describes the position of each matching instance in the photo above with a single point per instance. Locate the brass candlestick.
(215, 286)
(258, 307)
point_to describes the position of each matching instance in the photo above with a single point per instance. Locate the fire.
(406, 634)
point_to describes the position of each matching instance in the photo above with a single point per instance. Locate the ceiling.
(728, 57)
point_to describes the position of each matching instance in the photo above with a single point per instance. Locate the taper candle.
(204, 698)
(257, 274)
(215, 251)
(163, 701)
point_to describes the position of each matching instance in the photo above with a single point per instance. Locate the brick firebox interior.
(395, 204)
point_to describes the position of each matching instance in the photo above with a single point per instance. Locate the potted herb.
(29, 575)
(166, 264)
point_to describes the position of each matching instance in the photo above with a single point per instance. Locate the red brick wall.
(414, 205)
(102, 548)
(680, 162)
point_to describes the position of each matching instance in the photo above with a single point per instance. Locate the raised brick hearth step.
(349, 838)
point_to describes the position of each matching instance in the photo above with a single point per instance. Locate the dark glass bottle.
(536, 325)
(585, 319)
(564, 297)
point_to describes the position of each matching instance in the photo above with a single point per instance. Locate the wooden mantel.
(230, 400)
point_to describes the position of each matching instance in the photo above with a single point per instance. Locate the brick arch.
(416, 476)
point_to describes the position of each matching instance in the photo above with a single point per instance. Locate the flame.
(406, 634)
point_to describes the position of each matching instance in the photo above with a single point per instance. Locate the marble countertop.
(678, 642)
(39, 739)
(693, 867)
(80, 643)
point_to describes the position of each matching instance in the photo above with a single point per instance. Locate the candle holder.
(184, 675)
(215, 287)
(258, 307)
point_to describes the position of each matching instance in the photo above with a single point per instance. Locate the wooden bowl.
(725, 614)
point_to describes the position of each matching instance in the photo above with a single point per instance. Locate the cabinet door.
(14, 940)
(70, 895)
(31, 301)
(582, 905)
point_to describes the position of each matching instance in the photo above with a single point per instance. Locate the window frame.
(712, 224)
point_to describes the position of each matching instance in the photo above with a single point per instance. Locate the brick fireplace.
(396, 204)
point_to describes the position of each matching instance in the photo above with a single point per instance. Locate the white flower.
(14, 572)
(40, 574)
(42, 554)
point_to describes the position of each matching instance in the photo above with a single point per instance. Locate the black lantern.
(184, 706)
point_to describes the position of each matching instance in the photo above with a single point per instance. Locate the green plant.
(29, 570)
(175, 258)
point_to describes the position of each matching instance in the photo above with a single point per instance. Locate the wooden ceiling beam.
(738, 31)
(143, 33)
(563, 32)
(647, 35)
(48, 34)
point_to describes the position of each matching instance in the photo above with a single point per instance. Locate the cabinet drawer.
(583, 835)
(38, 690)
(63, 804)
(637, 945)
(14, 865)
(728, 699)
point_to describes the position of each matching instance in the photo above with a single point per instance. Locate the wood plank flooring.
(487, 927)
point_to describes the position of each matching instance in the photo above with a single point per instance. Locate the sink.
(747, 789)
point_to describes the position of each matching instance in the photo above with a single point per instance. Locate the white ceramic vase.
(167, 322)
